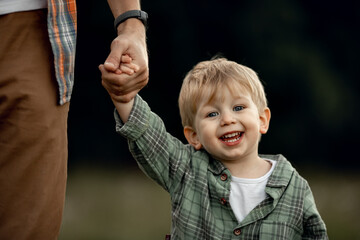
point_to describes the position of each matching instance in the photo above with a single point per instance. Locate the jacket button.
(223, 201)
(237, 232)
(223, 177)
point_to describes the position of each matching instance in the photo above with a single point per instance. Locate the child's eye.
(238, 108)
(212, 114)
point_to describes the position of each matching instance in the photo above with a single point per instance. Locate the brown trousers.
(33, 131)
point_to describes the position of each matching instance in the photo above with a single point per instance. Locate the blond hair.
(203, 81)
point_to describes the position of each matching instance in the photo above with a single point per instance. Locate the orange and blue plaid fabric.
(62, 28)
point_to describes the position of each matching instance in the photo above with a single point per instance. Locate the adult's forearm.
(120, 6)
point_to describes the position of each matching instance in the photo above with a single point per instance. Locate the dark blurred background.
(306, 53)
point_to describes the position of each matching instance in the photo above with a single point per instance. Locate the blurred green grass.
(111, 204)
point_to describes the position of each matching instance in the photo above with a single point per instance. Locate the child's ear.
(265, 120)
(192, 137)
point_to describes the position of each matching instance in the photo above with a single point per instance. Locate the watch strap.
(141, 15)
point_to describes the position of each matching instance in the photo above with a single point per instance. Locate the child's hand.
(126, 66)
(123, 84)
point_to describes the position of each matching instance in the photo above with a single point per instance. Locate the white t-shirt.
(10, 6)
(246, 193)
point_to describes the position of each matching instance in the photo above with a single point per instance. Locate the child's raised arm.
(120, 87)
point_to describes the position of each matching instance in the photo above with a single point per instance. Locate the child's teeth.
(231, 135)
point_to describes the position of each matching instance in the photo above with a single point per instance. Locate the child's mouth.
(231, 137)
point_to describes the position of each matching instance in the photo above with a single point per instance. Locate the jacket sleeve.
(159, 155)
(314, 227)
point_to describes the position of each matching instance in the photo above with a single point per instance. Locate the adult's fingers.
(121, 86)
(113, 60)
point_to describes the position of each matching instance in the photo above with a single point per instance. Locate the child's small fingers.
(126, 58)
(125, 69)
(118, 71)
(133, 66)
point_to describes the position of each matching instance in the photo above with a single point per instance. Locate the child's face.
(229, 127)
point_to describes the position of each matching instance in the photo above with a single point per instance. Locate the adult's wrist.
(131, 14)
(131, 25)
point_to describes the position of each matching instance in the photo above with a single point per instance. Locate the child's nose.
(227, 119)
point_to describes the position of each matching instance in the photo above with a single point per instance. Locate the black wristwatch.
(141, 15)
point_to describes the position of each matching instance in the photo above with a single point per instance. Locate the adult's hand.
(131, 41)
(123, 86)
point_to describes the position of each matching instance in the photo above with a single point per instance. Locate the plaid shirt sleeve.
(62, 27)
(314, 227)
(158, 152)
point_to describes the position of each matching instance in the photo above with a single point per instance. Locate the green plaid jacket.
(199, 187)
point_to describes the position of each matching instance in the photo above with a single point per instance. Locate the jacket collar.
(281, 176)
(215, 166)
(277, 184)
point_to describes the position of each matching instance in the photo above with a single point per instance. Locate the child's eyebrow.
(242, 95)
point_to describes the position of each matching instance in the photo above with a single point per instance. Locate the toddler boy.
(220, 187)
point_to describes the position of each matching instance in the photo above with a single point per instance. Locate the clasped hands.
(125, 71)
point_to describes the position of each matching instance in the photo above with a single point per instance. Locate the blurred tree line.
(305, 52)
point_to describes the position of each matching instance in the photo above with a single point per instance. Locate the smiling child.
(220, 187)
